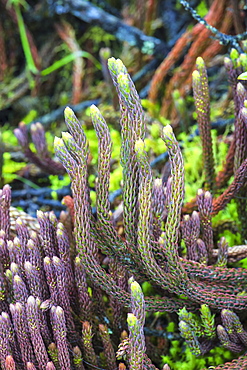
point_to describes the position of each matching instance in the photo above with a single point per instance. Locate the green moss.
(147, 288)
(170, 327)
(7, 136)
(115, 179)
(192, 154)
(228, 214)
(157, 146)
(99, 36)
(188, 361)
(59, 182)
(10, 168)
(220, 150)
(155, 130)
(153, 109)
(202, 9)
(50, 141)
(93, 198)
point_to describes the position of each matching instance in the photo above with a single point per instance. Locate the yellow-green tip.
(68, 112)
(123, 82)
(139, 146)
(131, 280)
(135, 287)
(66, 136)
(167, 130)
(158, 182)
(19, 221)
(131, 319)
(59, 311)
(105, 53)
(40, 214)
(227, 61)
(58, 142)
(244, 111)
(234, 54)
(195, 75)
(199, 192)
(240, 88)
(205, 309)
(112, 61)
(94, 110)
(116, 65)
(243, 59)
(243, 76)
(36, 126)
(200, 62)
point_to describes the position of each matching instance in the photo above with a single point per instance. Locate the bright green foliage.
(153, 109)
(57, 182)
(192, 154)
(67, 59)
(147, 288)
(99, 37)
(192, 168)
(228, 214)
(202, 8)
(192, 327)
(10, 167)
(243, 76)
(234, 55)
(207, 321)
(7, 136)
(188, 361)
(239, 60)
(191, 319)
(190, 337)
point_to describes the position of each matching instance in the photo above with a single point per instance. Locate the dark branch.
(228, 40)
(90, 13)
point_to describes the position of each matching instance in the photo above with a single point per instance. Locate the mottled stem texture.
(64, 296)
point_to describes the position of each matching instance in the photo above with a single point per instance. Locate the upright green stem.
(24, 40)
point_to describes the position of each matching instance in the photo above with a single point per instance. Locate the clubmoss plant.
(69, 280)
